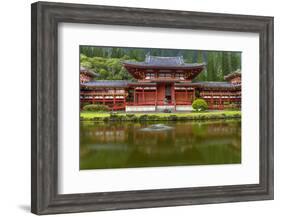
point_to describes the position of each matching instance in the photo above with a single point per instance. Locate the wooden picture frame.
(45, 19)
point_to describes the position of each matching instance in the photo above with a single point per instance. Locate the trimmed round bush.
(143, 118)
(153, 117)
(199, 105)
(130, 115)
(95, 108)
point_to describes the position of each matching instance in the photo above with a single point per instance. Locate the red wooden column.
(221, 106)
(114, 93)
(229, 99)
(142, 95)
(174, 98)
(156, 95)
(124, 100)
(186, 95)
(156, 73)
(173, 95)
(103, 99)
(134, 95)
(212, 100)
(193, 96)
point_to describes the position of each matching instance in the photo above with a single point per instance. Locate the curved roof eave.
(182, 66)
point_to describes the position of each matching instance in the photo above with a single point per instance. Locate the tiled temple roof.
(210, 85)
(124, 84)
(177, 61)
(106, 83)
(142, 84)
(215, 85)
(116, 83)
(232, 75)
(88, 71)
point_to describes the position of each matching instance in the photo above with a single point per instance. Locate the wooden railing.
(92, 93)
(159, 103)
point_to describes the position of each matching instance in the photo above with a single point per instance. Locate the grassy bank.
(208, 115)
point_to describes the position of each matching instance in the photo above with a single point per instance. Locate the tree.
(199, 105)
(108, 61)
(226, 63)
(195, 56)
(200, 58)
(235, 60)
(211, 70)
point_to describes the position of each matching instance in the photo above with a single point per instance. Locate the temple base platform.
(158, 108)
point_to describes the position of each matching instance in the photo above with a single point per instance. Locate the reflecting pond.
(154, 144)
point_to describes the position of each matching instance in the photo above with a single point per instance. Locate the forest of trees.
(107, 62)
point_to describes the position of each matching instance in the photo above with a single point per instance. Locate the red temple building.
(86, 75)
(160, 83)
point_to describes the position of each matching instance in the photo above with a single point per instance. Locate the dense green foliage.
(95, 108)
(199, 105)
(107, 68)
(208, 115)
(108, 61)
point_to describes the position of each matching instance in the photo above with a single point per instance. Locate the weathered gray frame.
(45, 19)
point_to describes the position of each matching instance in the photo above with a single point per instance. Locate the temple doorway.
(168, 94)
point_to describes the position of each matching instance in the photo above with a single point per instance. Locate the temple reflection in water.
(127, 145)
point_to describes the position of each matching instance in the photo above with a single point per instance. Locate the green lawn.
(196, 115)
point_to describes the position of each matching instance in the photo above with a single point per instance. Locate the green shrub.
(172, 118)
(163, 118)
(106, 119)
(113, 114)
(130, 115)
(143, 118)
(237, 115)
(153, 117)
(84, 104)
(199, 105)
(95, 108)
(133, 118)
(97, 119)
(232, 107)
(115, 117)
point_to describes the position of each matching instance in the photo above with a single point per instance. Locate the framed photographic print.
(136, 108)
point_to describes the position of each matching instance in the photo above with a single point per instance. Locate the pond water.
(129, 145)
